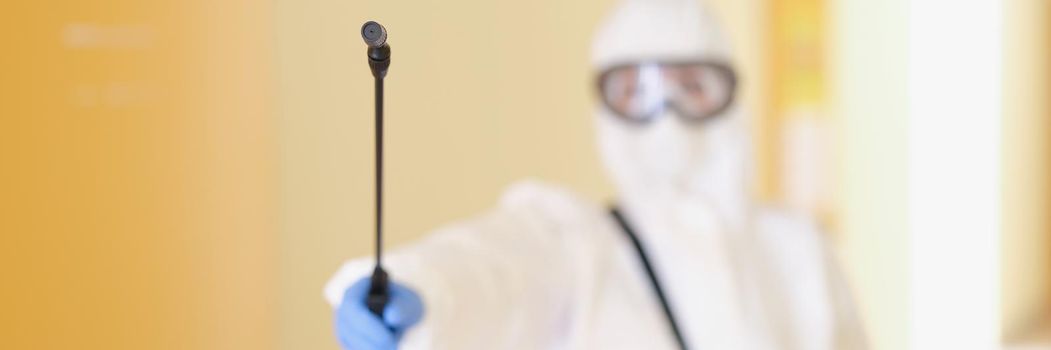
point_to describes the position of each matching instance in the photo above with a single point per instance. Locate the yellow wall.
(479, 94)
(1026, 244)
(137, 199)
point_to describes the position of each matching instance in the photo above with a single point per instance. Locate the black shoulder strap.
(649, 271)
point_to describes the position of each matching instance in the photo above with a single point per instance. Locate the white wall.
(954, 173)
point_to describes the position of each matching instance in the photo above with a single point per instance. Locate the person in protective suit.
(683, 260)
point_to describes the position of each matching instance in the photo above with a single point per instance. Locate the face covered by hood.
(696, 172)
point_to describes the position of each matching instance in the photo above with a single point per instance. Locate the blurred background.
(188, 174)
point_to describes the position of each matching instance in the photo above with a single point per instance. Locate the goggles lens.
(640, 92)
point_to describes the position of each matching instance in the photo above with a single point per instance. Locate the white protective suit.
(547, 269)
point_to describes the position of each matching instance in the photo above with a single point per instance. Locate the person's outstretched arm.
(506, 279)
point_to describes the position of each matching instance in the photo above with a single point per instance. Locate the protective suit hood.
(638, 30)
(696, 173)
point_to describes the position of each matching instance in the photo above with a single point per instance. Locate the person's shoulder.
(797, 253)
(549, 204)
(547, 198)
(793, 240)
(527, 205)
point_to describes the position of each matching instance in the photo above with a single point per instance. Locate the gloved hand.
(360, 329)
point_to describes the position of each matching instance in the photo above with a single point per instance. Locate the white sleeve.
(506, 279)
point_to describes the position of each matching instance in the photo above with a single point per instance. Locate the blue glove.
(360, 329)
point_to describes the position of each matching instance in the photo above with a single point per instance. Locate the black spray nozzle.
(375, 37)
(374, 34)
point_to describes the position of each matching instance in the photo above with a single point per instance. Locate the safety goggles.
(640, 92)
